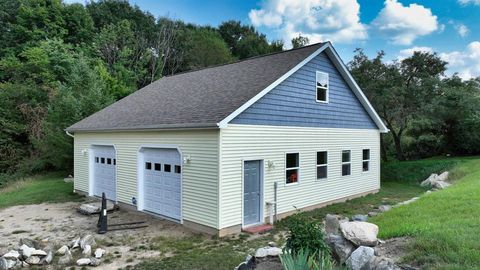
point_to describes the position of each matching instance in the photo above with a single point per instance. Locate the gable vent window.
(322, 87)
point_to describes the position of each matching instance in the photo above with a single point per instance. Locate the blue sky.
(449, 27)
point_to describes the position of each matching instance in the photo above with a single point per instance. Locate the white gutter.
(69, 134)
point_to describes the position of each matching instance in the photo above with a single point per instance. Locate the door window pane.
(167, 168)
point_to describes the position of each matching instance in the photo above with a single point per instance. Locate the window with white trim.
(322, 86)
(366, 160)
(322, 160)
(346, 162)
(292, 167)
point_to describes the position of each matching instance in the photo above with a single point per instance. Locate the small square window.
(114, 161)
(102, 160)
(148, 165)
(167, 168)
(345, 169)
(109, 161)
(321, 158)
(292, 160)
(96, 160)
(346, 156)
(366, 166)
(178, 169)
(321, 172)
(158, 167)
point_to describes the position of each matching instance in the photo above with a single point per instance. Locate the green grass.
(444, 225)
(48, 188)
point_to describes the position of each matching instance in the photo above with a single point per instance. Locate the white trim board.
(335, 58)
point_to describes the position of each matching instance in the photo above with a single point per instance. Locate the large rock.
(360, 233)
(94, 208)
(268, 251)
(33, 260)
(3, 264)
(38, 252)
(443, 176)
(11, 263)
(66, 259)
(49, 258)
(99, 253)
(74, 243)
(383, 263)
(332, 223)
(95, 262)
(360, 258)
(430, 180)
(87, 250)
(340, 246)
(62, 250)
(440, 185)
(29, 242)
(26, 251)
(11, 255)
(83, 261)
(87, 240)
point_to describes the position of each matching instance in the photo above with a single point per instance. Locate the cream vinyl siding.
(270, 143)
(200, 175)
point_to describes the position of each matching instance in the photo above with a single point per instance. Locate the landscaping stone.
(443, 176)
(99, 253)
(33, 260)
(332, 223)
(384, 208)
(274, 251)
(11, 263)
(3, 264)
(74, 243)
(372, 214)
(272, 244)
(62, 250)
(94, 208)
(360, 258)
(49, 258)
(29, 242)
(87, 240)
(38, 252)
(430, 180)
(83, 261)
(12, 254)
(87, 250)
(65, 259)
(95, 262)
(261, 252)
(383, 263)
(340, 247)
(26, 251)
(359, 218)
(440, 185)
(360, 233)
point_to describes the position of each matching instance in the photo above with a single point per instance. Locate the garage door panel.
(162, 182)
(104, 171)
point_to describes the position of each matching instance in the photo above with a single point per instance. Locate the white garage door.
(104, 173)
(162, 182)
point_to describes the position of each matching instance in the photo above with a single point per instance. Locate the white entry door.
(162, 182)
(104, 172)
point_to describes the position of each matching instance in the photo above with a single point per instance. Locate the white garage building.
(213, 148)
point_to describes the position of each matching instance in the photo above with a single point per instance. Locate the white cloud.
(466, 62)
(466, 2)
(462, 29)
(403, 24)
(319, 20)
(409, 52)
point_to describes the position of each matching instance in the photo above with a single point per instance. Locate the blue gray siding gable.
(293, 102)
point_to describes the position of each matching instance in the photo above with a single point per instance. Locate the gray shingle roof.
(196, 99)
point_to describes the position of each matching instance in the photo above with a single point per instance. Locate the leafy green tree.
(79, 25)
(205, 48)
(300, 41)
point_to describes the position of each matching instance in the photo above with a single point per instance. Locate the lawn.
(444, 225)
(47, 188)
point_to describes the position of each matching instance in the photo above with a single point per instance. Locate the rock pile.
(436, 181)
(265, 258)
(38, 253)
(352, 243)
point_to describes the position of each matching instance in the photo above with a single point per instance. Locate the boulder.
(95, 262)
(94, 208)
(87, 250)
(83, 261)
(11, 255)
(74, 243)
(33, 260)
(87, 240)
(332, 223)
(29, 242)
(26, 251)
(274, 251)
(443, 176)
(13, 263)
(360, 258)
(99, 253)
(261, 252)
(359, 218)
(383, 263)
(340, 246)
(49, 258)
(360, 233)
(440, 185)
(384, 208)
(39, 252)
(66, 259)
(429, 181)
(3, 264)
(62, 250)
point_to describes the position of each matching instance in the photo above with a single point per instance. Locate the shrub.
(415, 171)
(306, 260)
(305, 234)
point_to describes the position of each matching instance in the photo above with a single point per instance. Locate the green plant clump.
(305, 234)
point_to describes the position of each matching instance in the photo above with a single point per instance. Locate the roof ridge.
(246, 59)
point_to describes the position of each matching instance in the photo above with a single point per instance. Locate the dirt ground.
(60, 223)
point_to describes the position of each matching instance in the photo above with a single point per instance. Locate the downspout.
(69, 134)
(275, 187)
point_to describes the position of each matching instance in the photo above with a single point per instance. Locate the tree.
(300, 41)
